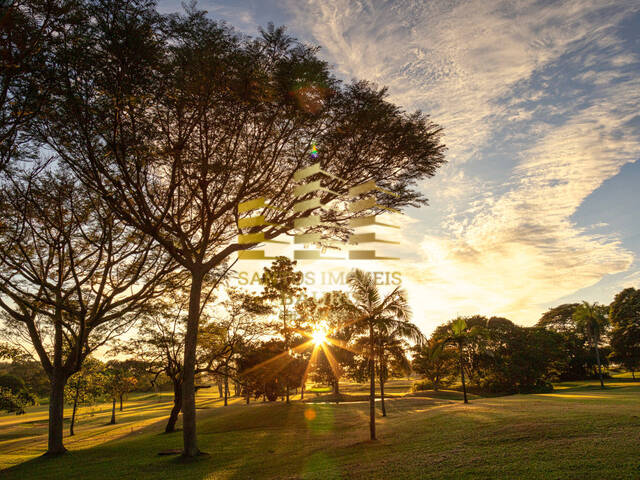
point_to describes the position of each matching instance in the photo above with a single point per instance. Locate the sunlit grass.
(579, 431)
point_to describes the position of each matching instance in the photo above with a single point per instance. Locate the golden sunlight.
(319, 336)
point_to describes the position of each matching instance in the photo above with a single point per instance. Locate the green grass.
(578, 432)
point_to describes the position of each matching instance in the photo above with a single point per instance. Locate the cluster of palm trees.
(386, 318)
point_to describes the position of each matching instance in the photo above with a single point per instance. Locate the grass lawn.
(577, 432)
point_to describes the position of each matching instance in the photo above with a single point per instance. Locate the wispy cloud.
(536, 100)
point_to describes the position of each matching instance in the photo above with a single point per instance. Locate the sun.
(319, 336)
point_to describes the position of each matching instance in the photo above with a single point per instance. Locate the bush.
(541, 386)
(421, 385)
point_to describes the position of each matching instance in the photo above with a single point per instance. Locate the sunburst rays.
(319, 339)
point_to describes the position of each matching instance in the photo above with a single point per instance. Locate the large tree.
(575, 361)
(71, 275)
(178, 120)
(26, 44)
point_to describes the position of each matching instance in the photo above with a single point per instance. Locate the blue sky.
(540, 106)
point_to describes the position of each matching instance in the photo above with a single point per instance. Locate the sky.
(539, 102)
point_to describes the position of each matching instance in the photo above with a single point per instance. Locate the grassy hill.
(577, 432)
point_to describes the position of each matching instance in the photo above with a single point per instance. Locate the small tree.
(592, 319)
(392, 351)
(282, 284)
(118, 382)
(332, 317)
(375, 313)
(458, 333)
(435, 362)
(84, 387)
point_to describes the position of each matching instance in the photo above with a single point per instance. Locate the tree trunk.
(286, 343)
(177, 406)
(73, 413)
(113, 412)
(121, 402)
(384, 410)
(302, 391)
(56, 415)
(189, 435)
(226, 389)
(633, 374)
(372, 387)
(220, 390)
(464, 386)
(599, 366)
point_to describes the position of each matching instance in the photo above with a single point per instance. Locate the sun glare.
(319, 336)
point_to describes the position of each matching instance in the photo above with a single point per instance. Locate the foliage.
(593, 320)
(332, 313)
(377, 315)
(119, 379)
(14, 394)
(624, 315)
(574, 360)
(85, 386)
(436, 363)
(501, 357)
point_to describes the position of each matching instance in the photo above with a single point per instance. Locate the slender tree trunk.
(113, 412)
(220, 390)
(177, 406)
(121, 402)
(73, 413)
(372, 387)
(464, 386)
(189, 435)
(599, 365)
(384, 410)
(633, 374)
(336, 390)
(56, 415)
(286, 343)
(302, 391)
(226, 389)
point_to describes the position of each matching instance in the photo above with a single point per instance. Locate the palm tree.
(592, 320)
(458, 333)
(392, 348)
(373, 311)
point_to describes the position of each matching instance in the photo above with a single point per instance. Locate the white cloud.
(472, 66)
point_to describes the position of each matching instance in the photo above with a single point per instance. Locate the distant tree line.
(569, 342)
